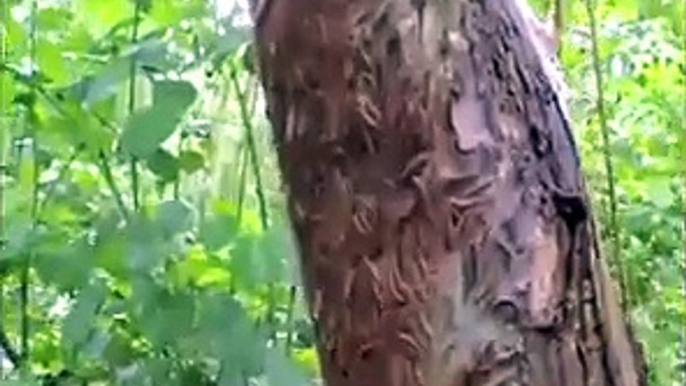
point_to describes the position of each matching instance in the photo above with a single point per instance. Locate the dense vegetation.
(143, 226)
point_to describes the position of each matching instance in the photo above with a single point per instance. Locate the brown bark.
(445, 234)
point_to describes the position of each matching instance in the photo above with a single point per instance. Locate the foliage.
(124, 263)
(144, 233)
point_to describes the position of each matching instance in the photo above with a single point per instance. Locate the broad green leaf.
(104, 84)
(172, 12)
(52, 18)
(660, 192)
(100, 16)
(220, 228)
(174, 217)
(281, 371)
(78, 324)
(67, 269)
(119, 350)
(146, 130)
(52, 62)
(169, 317)
(307, 359)
(191, 161)
(96, 345)
(16, 34)
(77, 126)
(164, 165)
(20, 238)
(110, 252)
(197, 269)
(144, 252)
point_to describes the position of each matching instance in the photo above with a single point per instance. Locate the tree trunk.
(445, 234)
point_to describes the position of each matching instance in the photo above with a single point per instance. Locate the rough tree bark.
(445, 234)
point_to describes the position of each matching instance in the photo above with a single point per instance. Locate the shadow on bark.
(446, 237)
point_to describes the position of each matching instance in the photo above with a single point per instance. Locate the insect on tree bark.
(445, 234)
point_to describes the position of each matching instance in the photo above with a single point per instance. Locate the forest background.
(149, 111)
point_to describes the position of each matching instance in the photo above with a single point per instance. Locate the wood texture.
(434, 187)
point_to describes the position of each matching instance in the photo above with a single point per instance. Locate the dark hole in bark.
(393, 46)
(454, 218)
(497, 70)
(351, 83)
(469, 266)
(377, 253)
(312, 82)
(381, 22)
(366, 353)
(507, 311)
(507, 261)
(571, 209)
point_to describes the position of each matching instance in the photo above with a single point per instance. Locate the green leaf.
(52, 63)
(220, 228)
(199, 269)
(146, 130)
(104, 84)
(96, 346)
(119, 350)
(660, 192)
(78, 323)
(228, 334)
(281, 371)
(168, 317)
(174, 217)
(109, 250)
(172, 12)
(164, 165)
(67, 269)
(144, 245)
(100, 16)
(191, 161)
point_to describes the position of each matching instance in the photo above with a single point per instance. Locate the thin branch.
(292, 295)
(4, 139)
(252, 149)
(26, 268)
(135, 189)
(607, 155)
(9, 350)
(106, 171)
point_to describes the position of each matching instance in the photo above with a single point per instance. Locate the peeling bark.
(446, 237)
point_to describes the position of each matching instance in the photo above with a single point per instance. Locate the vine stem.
(607, 155)
(252, 149)
(259, 187)
(683, 203)
(135, 184)
(29, 132)
(5, 343)
(106, 170)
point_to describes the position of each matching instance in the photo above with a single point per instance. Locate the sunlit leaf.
(191, 161)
